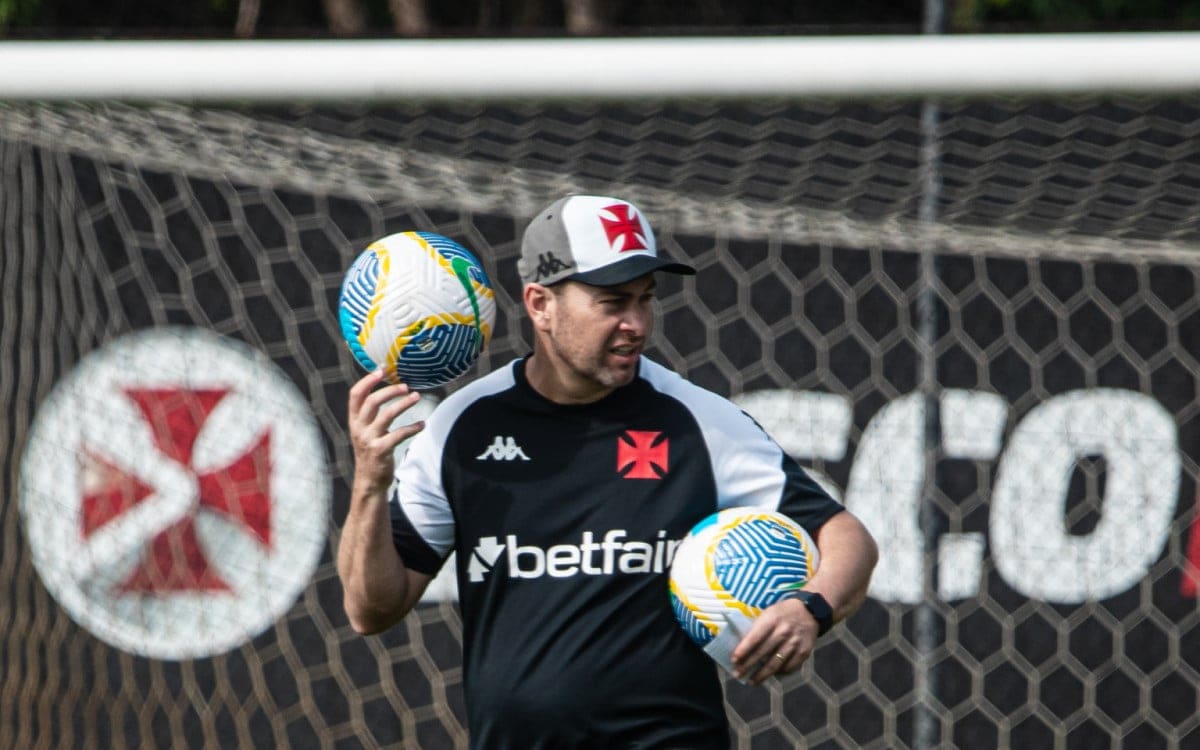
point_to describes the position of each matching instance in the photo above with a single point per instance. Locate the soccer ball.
(733, 565)
(420, 306)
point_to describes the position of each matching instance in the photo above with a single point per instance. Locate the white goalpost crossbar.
(600, 68)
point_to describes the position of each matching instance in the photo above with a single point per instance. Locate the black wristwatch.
(817, 607)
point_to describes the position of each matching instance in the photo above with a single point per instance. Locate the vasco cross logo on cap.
(624, 228)
(175, 493)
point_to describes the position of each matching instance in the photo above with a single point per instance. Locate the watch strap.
(817, 607)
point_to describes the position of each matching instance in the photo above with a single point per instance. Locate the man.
(554, 477)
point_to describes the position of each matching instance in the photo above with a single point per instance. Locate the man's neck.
(556, 384)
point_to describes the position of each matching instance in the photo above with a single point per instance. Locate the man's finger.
(386, 415)
(363, 387)
(399, 435)
(763, 655)
(753, 646)
(380, 396)
(772, 665)
(384, 398)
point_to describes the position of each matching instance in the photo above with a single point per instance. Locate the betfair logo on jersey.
(596, 555)
(503, 449)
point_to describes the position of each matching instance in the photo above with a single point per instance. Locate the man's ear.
(539, 304)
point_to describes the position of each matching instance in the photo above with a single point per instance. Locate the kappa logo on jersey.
(613, 553)
(642, 454)
(503, 449)
(624, 231)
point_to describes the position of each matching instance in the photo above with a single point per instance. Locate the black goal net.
(976, 321)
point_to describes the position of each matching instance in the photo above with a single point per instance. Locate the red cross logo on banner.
(161, 512)
(643, 453)
(173, 560)
(624, 231)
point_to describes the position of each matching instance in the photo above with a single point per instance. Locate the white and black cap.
(594, 239)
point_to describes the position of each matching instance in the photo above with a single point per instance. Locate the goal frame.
(721, 67)
(920, 73)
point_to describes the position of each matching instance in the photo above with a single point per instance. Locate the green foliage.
(215, 17)
(1089, 13)
(17, 13)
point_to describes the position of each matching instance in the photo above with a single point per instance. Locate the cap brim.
(629, 269)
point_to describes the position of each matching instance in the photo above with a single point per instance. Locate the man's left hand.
(780, 641)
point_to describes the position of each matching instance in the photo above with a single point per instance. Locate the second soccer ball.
(730, 567)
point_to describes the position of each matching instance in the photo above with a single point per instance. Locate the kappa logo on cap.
(548, 265)
(624, 231)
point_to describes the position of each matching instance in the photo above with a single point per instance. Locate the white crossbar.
(601, 68)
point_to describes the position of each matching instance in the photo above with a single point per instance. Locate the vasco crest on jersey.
(643, 454)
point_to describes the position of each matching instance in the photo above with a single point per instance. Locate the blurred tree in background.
(464, 18)
(1067, 15)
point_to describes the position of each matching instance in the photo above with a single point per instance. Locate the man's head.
(588, 263)
(593, 239)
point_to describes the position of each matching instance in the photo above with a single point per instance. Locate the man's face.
(597, 333)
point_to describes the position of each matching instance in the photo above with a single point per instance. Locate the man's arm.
(378, 589)
(848, 556)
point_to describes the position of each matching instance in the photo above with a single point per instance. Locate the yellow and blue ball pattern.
(420, 306)
(738, 560)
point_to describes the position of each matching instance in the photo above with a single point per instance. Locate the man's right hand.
(371, 413)
(377, 589)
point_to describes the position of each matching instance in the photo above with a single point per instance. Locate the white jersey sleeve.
(749, 467)
(422, 520)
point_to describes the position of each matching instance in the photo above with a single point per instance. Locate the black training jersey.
(565, 519)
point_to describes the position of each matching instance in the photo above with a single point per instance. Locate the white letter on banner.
(972, 428)
(1030, 544)
(884, 492)
(886, 483)
(806, 424)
